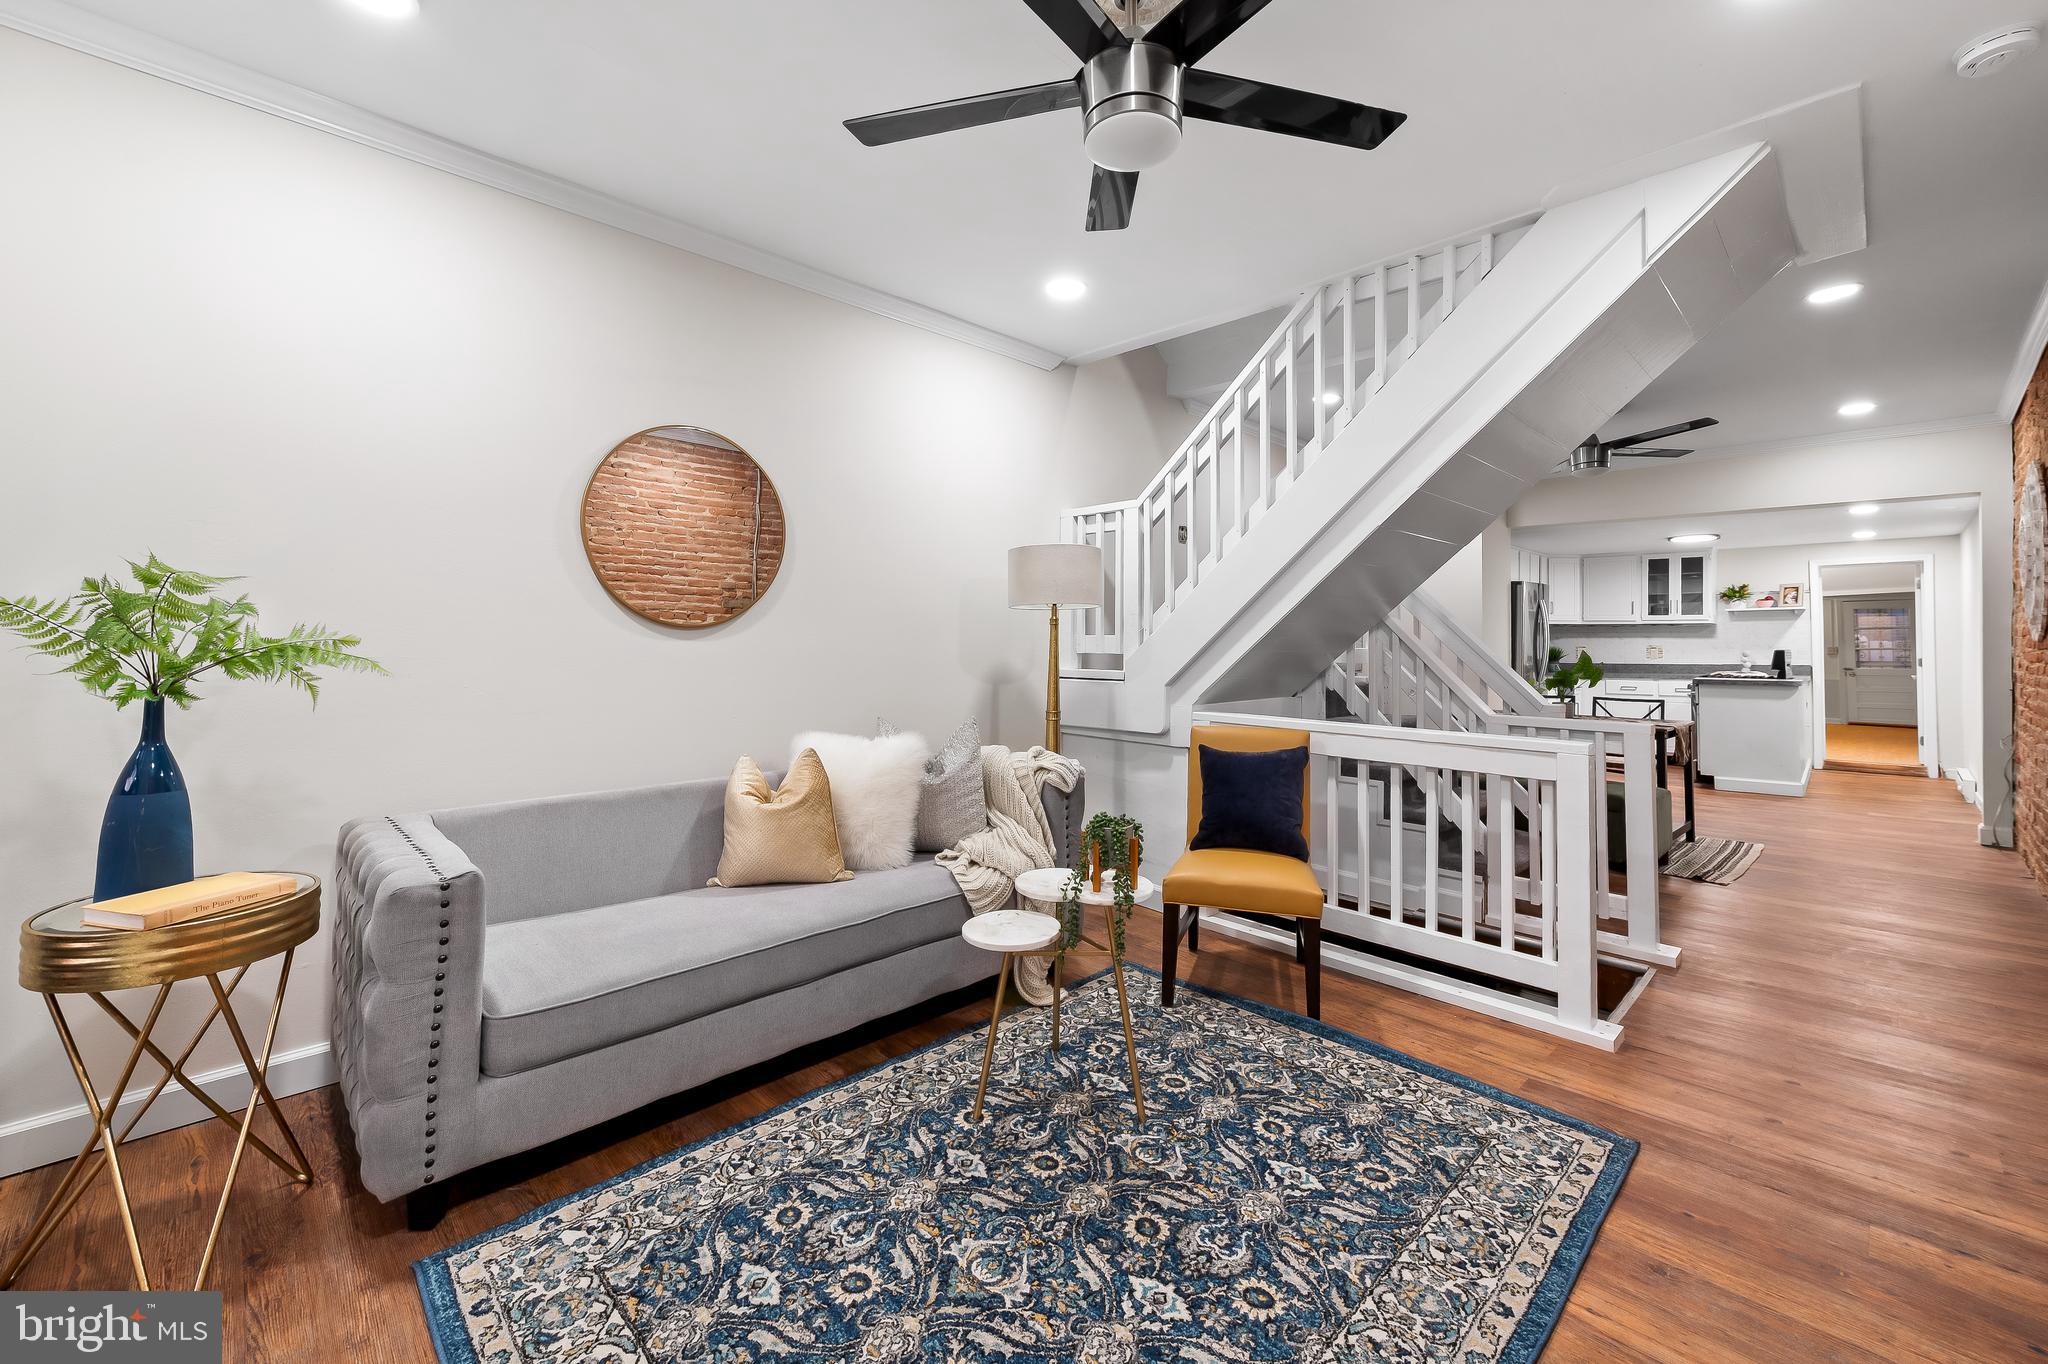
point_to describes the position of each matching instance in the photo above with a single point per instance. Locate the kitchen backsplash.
(1722, 643)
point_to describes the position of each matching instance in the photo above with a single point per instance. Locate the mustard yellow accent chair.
(1238, 879)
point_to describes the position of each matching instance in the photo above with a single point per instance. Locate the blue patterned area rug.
(1299, 1194)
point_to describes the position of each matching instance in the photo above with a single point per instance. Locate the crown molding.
(2033, 344)
(68, 26)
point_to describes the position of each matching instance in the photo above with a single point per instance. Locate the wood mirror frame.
(682, 527)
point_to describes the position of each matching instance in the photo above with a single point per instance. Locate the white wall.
(1975, 460)
(378, 390)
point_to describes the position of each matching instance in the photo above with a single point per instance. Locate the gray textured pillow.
(950, 803)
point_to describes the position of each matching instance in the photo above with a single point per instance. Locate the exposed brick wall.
(2029, 655)
(670, 528)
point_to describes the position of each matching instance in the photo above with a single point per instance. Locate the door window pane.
(1884, 637)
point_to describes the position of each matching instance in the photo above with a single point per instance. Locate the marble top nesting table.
(1021, 932)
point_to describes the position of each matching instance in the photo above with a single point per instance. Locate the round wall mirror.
(682, 527)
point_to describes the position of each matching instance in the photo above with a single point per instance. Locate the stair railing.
(1399, 679)
(1533, 930)
(1332, 353)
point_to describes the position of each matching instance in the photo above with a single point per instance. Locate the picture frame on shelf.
(1792, 594)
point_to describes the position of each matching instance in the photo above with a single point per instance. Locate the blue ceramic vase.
(146, 841)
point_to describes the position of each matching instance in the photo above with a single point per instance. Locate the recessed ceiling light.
(1697, 538)
(1834, 293)
(390, 9)
(1864, 509)
(1065, 288)
(1857, 407)
(1863, 535)
(1331, 399)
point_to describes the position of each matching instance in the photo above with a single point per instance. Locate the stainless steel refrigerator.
(1528, 629)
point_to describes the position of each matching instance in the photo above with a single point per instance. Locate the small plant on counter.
(1735, 592)
(1564, 679)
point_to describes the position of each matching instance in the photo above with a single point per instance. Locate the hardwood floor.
(1876, 747)
(1842, 1100)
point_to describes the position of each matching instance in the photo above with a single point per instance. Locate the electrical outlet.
(1183, 531)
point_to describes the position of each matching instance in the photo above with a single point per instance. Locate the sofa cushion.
(564, 984)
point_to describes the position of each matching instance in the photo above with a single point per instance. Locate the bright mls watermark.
(161, 1328)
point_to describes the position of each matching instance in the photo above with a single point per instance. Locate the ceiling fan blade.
(878, 130)
(1648, 454)
(1196, 27)
(1696, 424)
(1080, 24)
(1277, 109)
(1110, 196)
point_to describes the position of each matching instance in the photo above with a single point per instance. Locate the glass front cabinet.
(1675, 587)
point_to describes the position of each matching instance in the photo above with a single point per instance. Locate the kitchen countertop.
(1684, 671)
(1764, 681)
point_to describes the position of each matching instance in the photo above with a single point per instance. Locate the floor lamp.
(1054, 577)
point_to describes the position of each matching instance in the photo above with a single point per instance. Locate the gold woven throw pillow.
(780, 837)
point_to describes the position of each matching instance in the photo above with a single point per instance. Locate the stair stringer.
(1599, 298)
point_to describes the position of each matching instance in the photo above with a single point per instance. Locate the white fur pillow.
(876, 785)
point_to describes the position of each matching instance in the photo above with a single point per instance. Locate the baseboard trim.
(42, 1138)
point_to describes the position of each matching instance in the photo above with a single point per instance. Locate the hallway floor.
(1841, 1095)
(1881, 746)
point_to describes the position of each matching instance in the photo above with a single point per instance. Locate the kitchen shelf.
(1764, 610)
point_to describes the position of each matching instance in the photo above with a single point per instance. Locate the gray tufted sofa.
(508, 974)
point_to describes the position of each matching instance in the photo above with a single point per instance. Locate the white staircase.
(1393, 415)
(1462, 826)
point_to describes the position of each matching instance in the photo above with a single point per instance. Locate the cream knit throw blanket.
(1017, 839)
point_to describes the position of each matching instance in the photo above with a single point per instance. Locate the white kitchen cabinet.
(1675, 587)
(1611, 587)
(1567, 599)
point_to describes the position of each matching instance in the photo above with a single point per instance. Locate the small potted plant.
(151, 642)
(1564, 679)
(1735, 592)
(1112, 843)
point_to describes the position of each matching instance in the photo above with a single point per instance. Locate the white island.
(1755, 733)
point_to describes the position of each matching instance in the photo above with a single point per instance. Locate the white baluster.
(1397, 830)
(1333, 854)
(1431, 849)
(1468, 841)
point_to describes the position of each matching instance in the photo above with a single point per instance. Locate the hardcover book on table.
(189, 900)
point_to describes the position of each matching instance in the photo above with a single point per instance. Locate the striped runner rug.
(1717, 861)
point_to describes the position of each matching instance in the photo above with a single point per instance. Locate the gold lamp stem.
(1052, 683)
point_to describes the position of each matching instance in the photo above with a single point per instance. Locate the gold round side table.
(62, 955)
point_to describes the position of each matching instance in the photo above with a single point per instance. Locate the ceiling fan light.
(1133, 99)
(1135, 137)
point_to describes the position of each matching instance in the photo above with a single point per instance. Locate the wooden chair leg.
(1194, 928)
(1300, 942)
(1312, 959)
(1169, 954)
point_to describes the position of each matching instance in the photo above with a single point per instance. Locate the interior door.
(1879, 684)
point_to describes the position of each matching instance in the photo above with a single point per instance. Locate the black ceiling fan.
(1594, 455)
(1134, 92)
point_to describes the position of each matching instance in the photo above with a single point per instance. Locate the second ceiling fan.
(1134, 93)
(1596, 456)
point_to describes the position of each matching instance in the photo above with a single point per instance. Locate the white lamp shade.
(1055, 575)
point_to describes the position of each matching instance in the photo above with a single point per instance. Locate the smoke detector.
(1995, 51)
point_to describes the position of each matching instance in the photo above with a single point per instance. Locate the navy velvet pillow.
(1252, 801)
